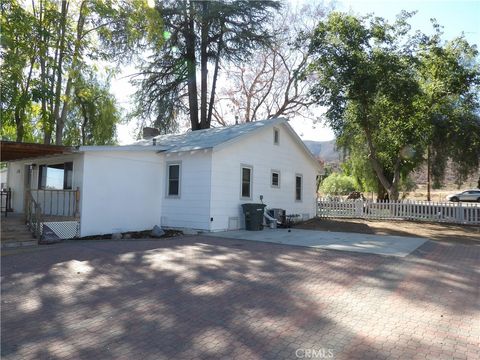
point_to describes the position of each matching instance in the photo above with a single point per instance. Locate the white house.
(3, 178)
(195, 180)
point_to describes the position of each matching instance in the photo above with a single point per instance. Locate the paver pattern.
(199, 297)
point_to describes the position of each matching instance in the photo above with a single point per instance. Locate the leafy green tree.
(46, 46)
(18, 61)
(199, 36)
(393, 97)
(95, 113)
(366, 77)
(357, 165)
(449, 75)
(338, 184)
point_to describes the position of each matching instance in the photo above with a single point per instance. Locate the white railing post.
(460, 213)
(359, 207)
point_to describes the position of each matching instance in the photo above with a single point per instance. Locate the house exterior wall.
(260, 153)
(3, 177)
(125, 190)
(192, 208)
(121, 192)
(17, 173)
(15, 181)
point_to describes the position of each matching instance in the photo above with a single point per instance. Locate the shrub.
(337, 184)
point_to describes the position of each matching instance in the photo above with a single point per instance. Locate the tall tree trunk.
(381, 192)
(58, 65)
(248, 106)
(390, 187)
(74, 69)
(83, 127)
(47, 126)
(393, 192)
(22, 103)
(214, 80)
(19, 125)
(203, 66)
(191, 66)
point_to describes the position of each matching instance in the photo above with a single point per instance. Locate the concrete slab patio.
(373, 244)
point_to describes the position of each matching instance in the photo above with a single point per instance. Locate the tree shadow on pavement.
(201, 297)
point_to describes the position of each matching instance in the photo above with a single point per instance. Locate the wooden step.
(16, 237)
(15, 233)
(18, 229)
(14, 244)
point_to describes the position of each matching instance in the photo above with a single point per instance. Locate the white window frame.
(276, 134)
(301, 187)
(167, 182)
(273, 171)
(250, 167)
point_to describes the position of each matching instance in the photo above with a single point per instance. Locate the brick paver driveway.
(201, 297)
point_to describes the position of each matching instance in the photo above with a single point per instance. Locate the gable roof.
(203, 139)
(208, 138)
(190, 140)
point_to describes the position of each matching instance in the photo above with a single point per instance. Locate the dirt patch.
(433, 231)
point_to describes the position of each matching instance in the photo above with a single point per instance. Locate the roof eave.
(304, 147)
(20, 151)
(135, 148)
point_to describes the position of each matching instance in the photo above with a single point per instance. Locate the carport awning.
(11, 150)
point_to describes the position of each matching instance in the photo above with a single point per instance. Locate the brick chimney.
(150, 132)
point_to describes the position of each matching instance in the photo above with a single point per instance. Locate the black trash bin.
(253, 216)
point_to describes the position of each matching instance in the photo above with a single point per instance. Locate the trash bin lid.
(253, 207)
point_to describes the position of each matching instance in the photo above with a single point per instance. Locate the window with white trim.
(298, 187)
(275, 179)
(173, 180)
(246, 179)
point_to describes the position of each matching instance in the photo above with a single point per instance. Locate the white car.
(467, 195)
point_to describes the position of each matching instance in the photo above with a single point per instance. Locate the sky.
(456, 16)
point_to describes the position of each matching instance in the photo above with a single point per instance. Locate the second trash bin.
(253, 216)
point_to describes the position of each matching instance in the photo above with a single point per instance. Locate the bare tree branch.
(267, 85)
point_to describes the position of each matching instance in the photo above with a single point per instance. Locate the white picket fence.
(459, 213)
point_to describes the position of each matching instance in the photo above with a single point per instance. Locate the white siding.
(259, 151)
(192, 208)
(121, 192)
(3, 177)
(15, 181)
(126, 191)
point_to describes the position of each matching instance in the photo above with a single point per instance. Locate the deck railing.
(33, 215)
(451, 212)
(57, 202)
(6, 201)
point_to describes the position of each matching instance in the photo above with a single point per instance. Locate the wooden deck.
(15, 233)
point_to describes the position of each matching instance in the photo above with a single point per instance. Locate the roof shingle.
(208, 138)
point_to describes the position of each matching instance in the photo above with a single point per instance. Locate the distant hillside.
(419, 176)
(324, 150)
